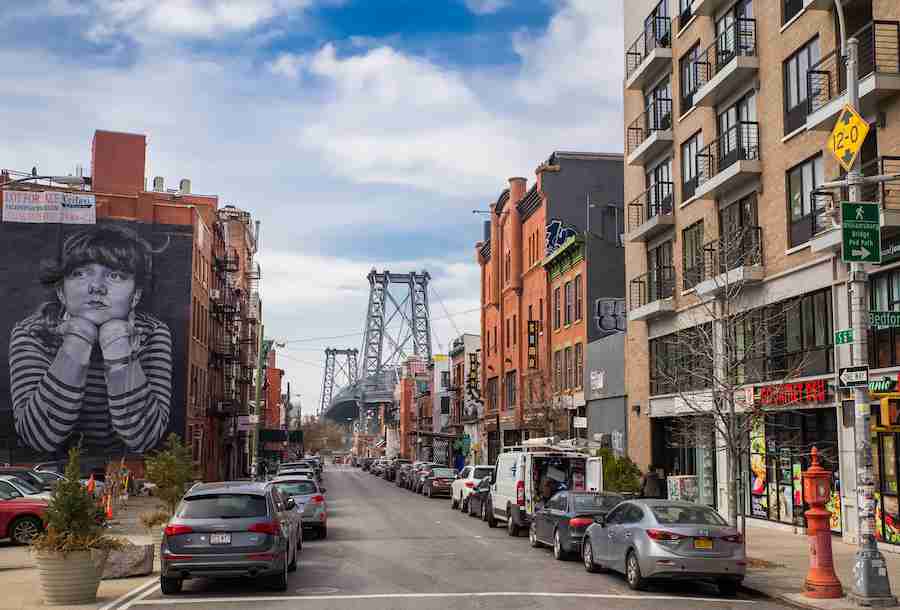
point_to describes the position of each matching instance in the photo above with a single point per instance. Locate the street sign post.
(843, 337)
(861, 232)
(884, 319)
(847, 137)
(854, 377)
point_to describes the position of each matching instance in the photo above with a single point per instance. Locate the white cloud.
(486, 7)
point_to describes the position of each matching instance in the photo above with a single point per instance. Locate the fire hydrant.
(821, 581)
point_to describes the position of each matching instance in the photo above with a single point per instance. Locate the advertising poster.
(786, 503)
(834, 507)
(773, 501)
(92, 344)
(759, 506)
(879, 520)
(797, 479)
(891, 520)
(757, 474)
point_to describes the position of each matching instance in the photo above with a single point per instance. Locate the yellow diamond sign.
(847, 137)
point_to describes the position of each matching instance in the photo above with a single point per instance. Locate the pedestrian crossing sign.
(847, 137)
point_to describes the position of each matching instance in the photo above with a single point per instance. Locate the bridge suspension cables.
(341, 369)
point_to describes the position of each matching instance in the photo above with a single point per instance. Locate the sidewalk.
(19, 575)
(782, 560)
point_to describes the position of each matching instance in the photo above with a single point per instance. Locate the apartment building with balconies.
(728, 106)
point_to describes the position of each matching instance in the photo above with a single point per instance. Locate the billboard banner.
(49, 207)
(93, 341)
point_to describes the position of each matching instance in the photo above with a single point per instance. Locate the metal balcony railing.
(227, 261)
(655, 201)
(652, 286)
(879, 51)
(245, 375)
(738, 40)
(225, 349)
(738, 248)
(739, 143)
(683, 17)
(656, 117)
(656, 34)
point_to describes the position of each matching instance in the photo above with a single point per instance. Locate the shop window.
(884, 343)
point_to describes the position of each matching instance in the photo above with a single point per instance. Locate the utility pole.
(871, 585)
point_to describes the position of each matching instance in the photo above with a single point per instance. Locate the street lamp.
(71, 181)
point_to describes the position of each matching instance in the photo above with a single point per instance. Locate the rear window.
(443, 472)
(687, 515)
(297, 488)
(483, 473)
(602, 503)
(28, 486)
(222, 506)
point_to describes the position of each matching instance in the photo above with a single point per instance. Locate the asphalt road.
(388, 548)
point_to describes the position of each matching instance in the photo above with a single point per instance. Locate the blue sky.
(362, 133)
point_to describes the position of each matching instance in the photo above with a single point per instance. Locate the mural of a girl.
(88, 362)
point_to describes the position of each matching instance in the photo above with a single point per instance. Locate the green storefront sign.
(884, 319)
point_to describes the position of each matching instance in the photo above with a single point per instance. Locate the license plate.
(220, 538)
(703, 544)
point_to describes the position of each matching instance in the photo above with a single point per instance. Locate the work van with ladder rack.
(522, 470)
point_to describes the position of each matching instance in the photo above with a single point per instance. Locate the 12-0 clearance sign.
(847, 137)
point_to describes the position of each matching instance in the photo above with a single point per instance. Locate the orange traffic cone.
(91, 485)
(109, 510)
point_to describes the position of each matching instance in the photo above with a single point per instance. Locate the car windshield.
(25, 486)
(222, 506)
(686, 515)
(443, 472)
(595, 502)
(483, 473)
(297, 488)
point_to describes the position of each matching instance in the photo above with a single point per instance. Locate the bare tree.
(320, 433)
(543, 408)
(721, 347)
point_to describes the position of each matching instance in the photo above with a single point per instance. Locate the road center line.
(252, 600)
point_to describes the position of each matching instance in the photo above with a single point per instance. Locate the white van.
(520, 470)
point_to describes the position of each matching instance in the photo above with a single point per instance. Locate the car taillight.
(520, 493)
(470, 484)
(663, 535)
(580, 522)
(175, 530)
(268, 527)
(735, 538)
(317, 499)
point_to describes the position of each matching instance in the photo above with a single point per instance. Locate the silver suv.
(230, 529)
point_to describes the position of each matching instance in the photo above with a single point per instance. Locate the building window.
(570, 302)
(445, 405)
(690, 77)
(491, 393)
(445, 379)
(541, 312)
(579, 299)
(673, 367)
(570, 368)
(510, 389)
(557, 311)
(507, 332)
(803, 209)
(796, 86)
(557, 370)
(530, 313)
(692, 255)
(689, 168)
(613, 225)
(684, 12)
(579, 365)
(790, 9)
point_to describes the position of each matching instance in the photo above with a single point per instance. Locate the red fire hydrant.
(821, 581)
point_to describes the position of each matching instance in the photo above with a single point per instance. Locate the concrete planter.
(67, 580)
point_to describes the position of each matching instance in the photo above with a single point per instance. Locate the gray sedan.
(309, 499)
(659, 539)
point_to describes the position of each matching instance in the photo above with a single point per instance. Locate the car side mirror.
(290, 504)
(322, 490)
(600, 520)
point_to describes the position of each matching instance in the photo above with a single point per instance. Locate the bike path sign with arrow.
(861, 232)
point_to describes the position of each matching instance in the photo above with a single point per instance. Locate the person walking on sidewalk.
(651, 485)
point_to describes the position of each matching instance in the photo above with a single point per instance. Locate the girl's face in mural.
(99, 293)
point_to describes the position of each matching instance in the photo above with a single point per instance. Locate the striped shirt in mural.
(122, 406)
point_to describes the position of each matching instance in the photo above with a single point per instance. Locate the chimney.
(184, 186)
(117, 162)
(159, 184)
(516, 193)
(517, 189)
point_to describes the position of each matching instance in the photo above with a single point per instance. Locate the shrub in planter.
(170, 470)
(71, 551)
(154, 522)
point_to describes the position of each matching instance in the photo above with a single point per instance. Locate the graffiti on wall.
(473, 402)
(90, 350)
(610, 316)
(557, 234)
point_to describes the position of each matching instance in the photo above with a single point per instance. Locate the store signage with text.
(792, 393)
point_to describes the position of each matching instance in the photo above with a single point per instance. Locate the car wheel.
(323, 532)
(280, 580)
(511, 528)
(292, 567)
(633, 571)
(170, 586)
(490, 518)
(24, 529)
(728, 587)
(454, 503)
(532, 536)
(558, 552)
(588, 555)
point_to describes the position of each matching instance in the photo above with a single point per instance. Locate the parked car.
(230, 529)
(479, 501)
(438, 482)
(410, 474)
(29, 475)
(376, 468)
(309, 500)
(465, 483)
(393, 468)
(367, 463)
(21, 519)
(298, 471)
(403, 471)
(661, 539)
(50, 478)
(563, 520)
(420, 474)
(21, 488)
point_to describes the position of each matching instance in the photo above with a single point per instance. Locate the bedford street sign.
(861, 232)
(884, 319)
